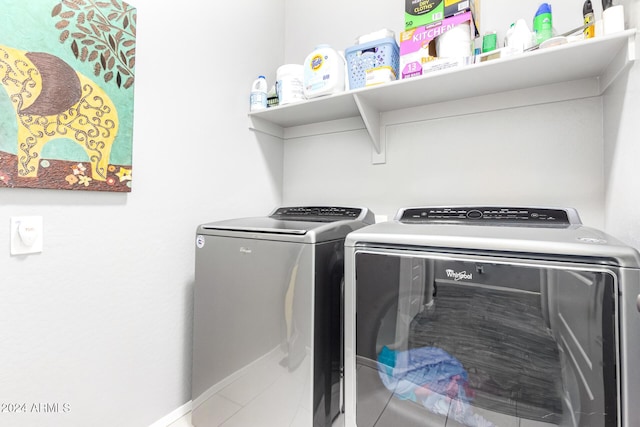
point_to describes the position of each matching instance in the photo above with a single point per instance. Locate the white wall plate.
(26, 235)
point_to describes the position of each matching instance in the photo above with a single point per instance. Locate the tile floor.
(185, 421)
(244, 400)
(247, 397)
(182, 422)
(378, 407)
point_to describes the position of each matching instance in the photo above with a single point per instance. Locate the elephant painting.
(52, 101)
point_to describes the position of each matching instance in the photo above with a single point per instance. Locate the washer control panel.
(490, 215)
(316, 213)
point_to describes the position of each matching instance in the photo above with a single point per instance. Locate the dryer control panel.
(490, 215)
(316, 213)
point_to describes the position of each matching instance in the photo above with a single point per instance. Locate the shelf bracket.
(620, 63)
(371, 118)
(261, 125)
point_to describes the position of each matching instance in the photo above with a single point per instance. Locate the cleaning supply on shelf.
(372, 63)
(418, 47)
(489, 41)
(384, 33)
(456, 42)
(518, 36)
(587, 13)
(289, 81)
(272, 97)
(418, 13)
(509, 34)
(324, 72)
(612, 18)
(258, 96)
(543, 23)
(477, 46)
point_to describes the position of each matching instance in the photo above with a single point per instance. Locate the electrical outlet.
(26, 235)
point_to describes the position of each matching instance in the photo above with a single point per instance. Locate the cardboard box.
(418, 13)
(417, 47)
(422, 12)
(453, 7)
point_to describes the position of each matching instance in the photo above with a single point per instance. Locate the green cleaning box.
(418, 13)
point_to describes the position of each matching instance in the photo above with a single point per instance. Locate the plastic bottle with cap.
(587, 13)
(258, 97)
(543, 23)
(519, 36)
(612, 17)
(324, 72)
(509, 34)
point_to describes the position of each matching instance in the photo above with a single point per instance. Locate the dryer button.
(474, 214)
(638, 303)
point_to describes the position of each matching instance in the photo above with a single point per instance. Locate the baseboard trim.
(173, 416)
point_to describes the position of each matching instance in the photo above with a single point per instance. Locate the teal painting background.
(27, 25)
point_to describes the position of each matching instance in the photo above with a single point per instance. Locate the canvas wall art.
(66, 94)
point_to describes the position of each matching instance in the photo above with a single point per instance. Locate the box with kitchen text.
(418, 51)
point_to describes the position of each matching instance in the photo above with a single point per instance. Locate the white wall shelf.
(600, 60)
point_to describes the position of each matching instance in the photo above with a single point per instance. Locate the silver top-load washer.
(487, 316)
(267, 344)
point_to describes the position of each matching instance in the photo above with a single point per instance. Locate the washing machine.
(486, 316)
(267, 331)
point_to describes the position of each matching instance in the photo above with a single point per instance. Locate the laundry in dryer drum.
(433, 378)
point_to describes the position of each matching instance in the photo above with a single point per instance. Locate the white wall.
(540, 156)
(101, 319)
(621, 106)
(334, 22)
(550, 155)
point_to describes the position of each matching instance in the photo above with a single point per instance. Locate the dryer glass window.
(446, 341)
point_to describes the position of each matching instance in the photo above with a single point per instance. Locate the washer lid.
(309, 224)
(263, 225)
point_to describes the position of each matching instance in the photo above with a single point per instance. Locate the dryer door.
(451, 340)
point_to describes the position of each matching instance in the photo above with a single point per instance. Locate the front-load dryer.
(267, 332)
(490, 316)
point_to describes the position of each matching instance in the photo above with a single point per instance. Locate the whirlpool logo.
(458, 275)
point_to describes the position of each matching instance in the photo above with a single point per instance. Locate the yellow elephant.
(52, 100)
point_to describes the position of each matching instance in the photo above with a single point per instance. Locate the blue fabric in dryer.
(432, 377)
(424, 367)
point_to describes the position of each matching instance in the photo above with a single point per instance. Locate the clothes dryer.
(267, 338)
(486, 316)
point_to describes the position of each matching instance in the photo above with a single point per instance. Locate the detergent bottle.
(543, 23)
(587, 12)
(324, 72)
(258, 97)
